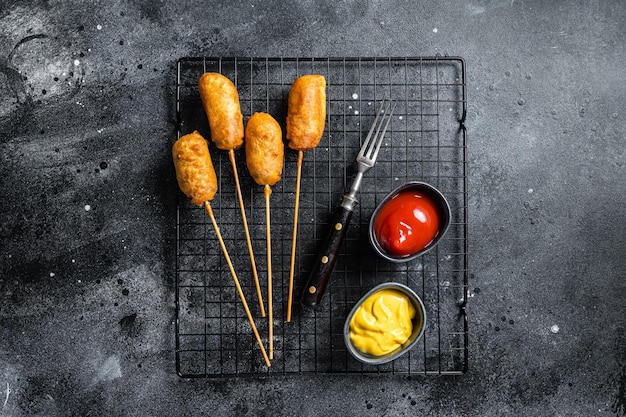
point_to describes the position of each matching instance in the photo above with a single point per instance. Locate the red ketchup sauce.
(407, 223)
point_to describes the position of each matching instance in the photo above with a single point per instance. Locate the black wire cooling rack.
(426, 141)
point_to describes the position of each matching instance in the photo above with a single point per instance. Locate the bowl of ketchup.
(409, 222)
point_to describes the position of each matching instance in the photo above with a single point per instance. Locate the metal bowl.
(444, 221)
(418, 326)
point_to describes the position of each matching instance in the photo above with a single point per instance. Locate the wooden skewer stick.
(268, 192)
(231, 156)
(209, 210)
(294, 236)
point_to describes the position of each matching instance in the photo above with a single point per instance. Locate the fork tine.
(368, 145)
(369, 134)
(372, 153)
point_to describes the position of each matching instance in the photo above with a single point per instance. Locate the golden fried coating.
(264, 149)
(221, 105)
(194, 168)
(306, 112)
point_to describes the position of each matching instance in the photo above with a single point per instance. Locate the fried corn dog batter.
(306, 112)
(194, 169)
(221, 105)
(264, 149)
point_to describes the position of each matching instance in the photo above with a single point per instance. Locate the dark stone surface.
(86, 227)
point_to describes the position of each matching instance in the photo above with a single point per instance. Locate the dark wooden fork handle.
(326, 258)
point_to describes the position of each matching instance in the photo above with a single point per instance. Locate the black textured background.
(86, 122)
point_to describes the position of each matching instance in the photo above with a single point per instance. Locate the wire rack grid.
(426, 141)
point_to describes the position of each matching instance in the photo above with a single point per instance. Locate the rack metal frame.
(427, 141)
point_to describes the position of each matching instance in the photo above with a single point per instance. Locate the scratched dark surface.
(88, 196)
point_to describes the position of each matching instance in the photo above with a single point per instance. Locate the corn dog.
(221, 104)
(306, 116)
(306, 112)
(197, 179)
(264, 149)
(264, 157)
(194, 170)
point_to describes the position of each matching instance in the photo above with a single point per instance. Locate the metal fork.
(366, 158)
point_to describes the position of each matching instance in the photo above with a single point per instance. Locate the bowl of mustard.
(384, 324)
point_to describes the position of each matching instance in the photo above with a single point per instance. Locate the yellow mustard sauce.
(382, 323)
